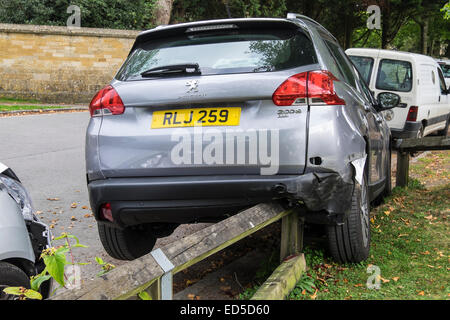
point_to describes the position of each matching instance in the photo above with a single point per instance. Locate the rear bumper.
(210, 198)
(410, 130)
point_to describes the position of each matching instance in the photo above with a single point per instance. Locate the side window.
(364, 66)
(394, 75)
(366, 91)
(441, 81)
(342, 63)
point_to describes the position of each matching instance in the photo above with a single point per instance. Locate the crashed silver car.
(23, 236)
(208, 118)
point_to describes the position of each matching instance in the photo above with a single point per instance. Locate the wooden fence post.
(402, 169)
(291, 235)
(154, 291)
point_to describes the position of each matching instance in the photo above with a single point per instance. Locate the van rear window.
(364, 66)
(225, 52)
(394, 75)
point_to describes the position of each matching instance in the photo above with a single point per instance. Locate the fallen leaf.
(314, 296)
(84, 207)
(52, 199)
(395, 278)
(73, 218)
(73, 205)
(421, 293)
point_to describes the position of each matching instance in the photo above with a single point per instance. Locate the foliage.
(403, 21)
(55, 263)
(446, 10)
(117, 14)
(106, 267)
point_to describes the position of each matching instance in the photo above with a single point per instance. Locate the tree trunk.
(162, 12)
(424, 29)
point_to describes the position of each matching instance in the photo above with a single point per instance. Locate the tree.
(117, 14)
(162, 12)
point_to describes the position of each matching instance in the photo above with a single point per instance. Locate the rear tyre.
(127, 244)
(350, 242)
(11, 276)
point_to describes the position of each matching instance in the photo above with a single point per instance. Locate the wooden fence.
(405, 147)
(153, 272)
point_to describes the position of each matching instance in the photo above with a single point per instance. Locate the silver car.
(208, 118)
(22, 237)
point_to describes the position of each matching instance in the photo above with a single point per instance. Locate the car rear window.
(364, 66)
(394, 75)
(225, 52)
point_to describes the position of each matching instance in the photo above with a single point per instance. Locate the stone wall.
(59, 64)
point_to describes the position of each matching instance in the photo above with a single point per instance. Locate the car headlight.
(19, 194)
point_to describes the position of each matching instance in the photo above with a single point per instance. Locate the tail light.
(106, 212)
(106, 102)
(315, 86)
(412, 113)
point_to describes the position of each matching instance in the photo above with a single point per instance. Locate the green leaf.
(36, 281)
(100, 261)
(13, 290)
(31, 294)
(79, 246)
(144, 295)
(55, 266)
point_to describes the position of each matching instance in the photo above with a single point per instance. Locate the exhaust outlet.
(279, 188)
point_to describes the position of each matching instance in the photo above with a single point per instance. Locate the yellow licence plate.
(198, 116)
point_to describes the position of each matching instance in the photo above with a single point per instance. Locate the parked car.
(417, 79)
(445, 66)
(22, 236)
(150, 167)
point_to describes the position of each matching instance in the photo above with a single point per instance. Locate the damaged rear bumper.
(210, 198)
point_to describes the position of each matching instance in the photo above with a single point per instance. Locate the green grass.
(17, 101)
(410, 246)
(26, 107)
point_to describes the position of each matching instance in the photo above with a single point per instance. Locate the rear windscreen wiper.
(175, 69)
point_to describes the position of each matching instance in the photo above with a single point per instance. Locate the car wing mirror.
(388, 100)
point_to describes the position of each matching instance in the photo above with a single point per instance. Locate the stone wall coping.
(68, 31)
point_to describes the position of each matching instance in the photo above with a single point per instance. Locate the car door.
(374, 120)
(444, 99)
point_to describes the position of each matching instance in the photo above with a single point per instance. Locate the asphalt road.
(47, 153)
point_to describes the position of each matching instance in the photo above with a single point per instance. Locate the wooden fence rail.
(144, 274)
(405, 147)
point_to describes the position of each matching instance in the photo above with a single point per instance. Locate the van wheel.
(444, 132)
(350, 242)
(11, 276)
(126, 244)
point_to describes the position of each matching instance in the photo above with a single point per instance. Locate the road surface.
(47, 153)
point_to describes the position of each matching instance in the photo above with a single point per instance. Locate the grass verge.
(409, 247)
(4, 108)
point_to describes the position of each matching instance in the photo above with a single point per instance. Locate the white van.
(417, 79)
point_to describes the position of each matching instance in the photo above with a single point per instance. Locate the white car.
(417, 79)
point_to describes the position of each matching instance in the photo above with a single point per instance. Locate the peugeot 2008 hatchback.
(208, 118)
